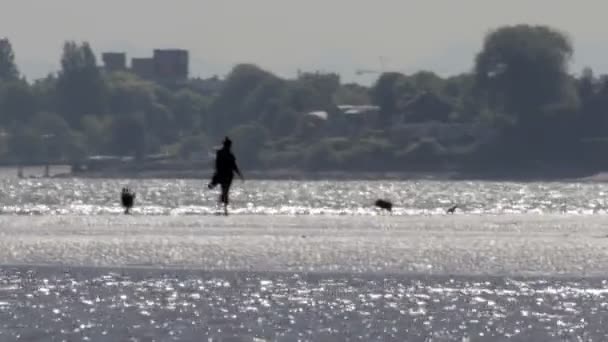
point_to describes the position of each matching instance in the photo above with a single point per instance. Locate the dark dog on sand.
(383, 204)
(127, 199)
(452, 209)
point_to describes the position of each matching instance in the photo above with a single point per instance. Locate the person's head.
(227, 142)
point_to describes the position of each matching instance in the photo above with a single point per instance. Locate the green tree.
(227, 109)
(8, 68)
(189, 108)
(160, 122)
(387, 93)
(128, 134)
(80, 87)
(127, 93)
(352, 94)
(17, 103)
(426, 81)
(522, 71)
(458, 90)
(305, 98)
(324, 84)
(26, 144)
(194, 145)
(248, 141)
(96, 130)
(44, 91)
(264, 98)
(60, 141)
(593, 118)
(279, 118)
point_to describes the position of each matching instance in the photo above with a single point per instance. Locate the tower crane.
(382, 70)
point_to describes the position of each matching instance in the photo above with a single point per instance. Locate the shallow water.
(182, 197)
(142, 305)
(308, 261)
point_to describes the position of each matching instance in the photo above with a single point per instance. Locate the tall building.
(143, 67)
(164, 65)
(171, 64)
(114, 61)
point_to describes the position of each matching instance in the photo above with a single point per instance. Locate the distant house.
(359, 110)
(427, 115)
(359, 118)
(313, 124)
(344, 120)
(318, 114)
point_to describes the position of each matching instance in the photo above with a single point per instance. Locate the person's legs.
(213, 182)
(224, 196)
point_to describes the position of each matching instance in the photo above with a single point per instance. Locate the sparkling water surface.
(303, 261)
(180, 197)
(143, 305)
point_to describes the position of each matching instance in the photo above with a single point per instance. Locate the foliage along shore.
(519, 106)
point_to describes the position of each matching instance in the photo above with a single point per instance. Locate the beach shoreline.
(298, 175)
(542, 173)
(467, 245)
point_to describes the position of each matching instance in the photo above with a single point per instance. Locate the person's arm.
(236, 169)
(217, 160)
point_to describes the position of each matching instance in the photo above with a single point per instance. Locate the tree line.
(520, 104)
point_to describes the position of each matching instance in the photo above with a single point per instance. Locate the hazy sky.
(286, 35)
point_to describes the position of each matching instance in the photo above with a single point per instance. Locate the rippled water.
(303, 261)
(85, 304)
(179, 197)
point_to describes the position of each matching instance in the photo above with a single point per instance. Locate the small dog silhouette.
(451, 210)
(127, 199)
(383, 204)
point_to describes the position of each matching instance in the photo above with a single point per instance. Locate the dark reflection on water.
(41, 304)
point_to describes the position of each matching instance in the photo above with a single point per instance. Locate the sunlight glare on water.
(303, 261)
(191, 197)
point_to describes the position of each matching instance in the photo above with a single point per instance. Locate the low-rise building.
(171, 64)
(143, 67)
(114, 61)
(164, 65)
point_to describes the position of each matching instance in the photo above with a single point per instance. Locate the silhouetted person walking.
(225, 167)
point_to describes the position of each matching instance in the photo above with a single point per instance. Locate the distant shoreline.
(521, 175)
(529, 174)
